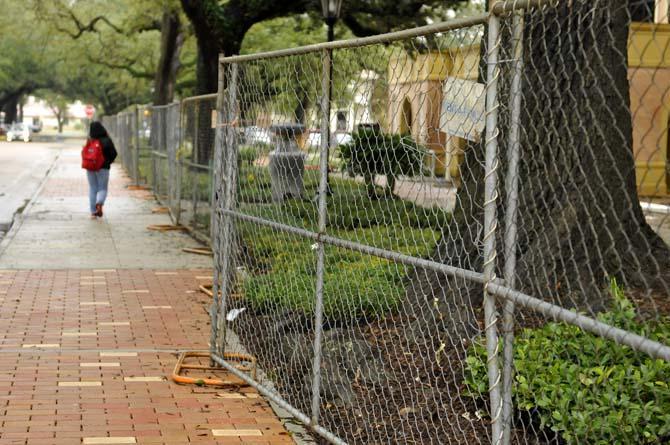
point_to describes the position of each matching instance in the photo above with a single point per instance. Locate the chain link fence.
(169, 148)
(524, 299)
(195, 162)
(450, 234)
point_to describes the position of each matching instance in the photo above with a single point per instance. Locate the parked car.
(339, 138)
(19, 131)
(3, 129)
(254, 134)
(314, 139)
(336, 138)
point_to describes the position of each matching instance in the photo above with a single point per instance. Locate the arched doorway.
(406, 117)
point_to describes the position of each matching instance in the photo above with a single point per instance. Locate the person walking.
(97, 157)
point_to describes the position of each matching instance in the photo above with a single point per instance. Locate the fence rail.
(521, 300)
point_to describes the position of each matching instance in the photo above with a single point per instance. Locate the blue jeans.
(97, 187)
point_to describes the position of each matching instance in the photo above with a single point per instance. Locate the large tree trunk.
(207, 69)
(59, 119)
(579, 219)
(10, 106)
(172, 40)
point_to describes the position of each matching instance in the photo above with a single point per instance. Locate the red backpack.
(91, 155)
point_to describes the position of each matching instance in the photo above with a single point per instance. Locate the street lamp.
(331, 12)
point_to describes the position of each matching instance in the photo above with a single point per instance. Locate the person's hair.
(97, 131)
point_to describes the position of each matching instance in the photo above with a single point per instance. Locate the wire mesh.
(123, 132)
(195, 158)
(352, 235)
(389, 338)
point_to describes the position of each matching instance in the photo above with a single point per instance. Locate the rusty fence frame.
(496, 290)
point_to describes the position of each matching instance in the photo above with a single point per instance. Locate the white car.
(19, 131)
(254, 134)
(336, 138)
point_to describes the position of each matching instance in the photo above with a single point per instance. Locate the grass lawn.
(356, 285)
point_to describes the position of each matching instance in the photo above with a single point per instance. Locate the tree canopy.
(117, 53)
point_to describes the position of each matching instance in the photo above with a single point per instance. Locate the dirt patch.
(384, 380)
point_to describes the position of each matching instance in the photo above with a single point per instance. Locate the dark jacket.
(108, 151)
(97, 131)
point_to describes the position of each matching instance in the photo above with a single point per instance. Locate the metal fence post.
(211, 177)
(136, 151)
(155, 146)
(490, 225)
(511, 211)
(178, 164)
(229, 160)
(196, 158)
(321, 253)
(119, 138)
(217, 195)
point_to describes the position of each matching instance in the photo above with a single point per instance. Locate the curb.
(655, 208)
(17, 221)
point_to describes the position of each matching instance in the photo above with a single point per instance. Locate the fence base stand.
(160, 210)
(198, 250)
(244, 363)
(138, 187)
(166, 227)
(207, 289)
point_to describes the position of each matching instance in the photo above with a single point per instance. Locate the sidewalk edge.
(17, 222)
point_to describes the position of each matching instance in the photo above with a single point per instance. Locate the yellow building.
(426, 88)
(649, 77)
(418, 85)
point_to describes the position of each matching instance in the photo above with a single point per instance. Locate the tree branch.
(83, 28)
(127, 66)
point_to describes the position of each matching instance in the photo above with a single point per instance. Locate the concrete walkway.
(55, 231)
(94, 314)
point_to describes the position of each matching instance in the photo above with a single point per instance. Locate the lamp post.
(331, 12)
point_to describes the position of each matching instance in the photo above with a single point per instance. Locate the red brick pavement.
(102, 329)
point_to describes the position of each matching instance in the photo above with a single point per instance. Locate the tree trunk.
(172, 40)
(579, 218)
(59, 118)
(207, 69)
(302, 107)
(10, 108)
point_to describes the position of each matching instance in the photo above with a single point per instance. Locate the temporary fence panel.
(527, 303)
(144, 144)
(172, 135)
(159, 160)
(195, 159)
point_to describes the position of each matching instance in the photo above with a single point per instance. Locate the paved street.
(94, 314)
(22, 168)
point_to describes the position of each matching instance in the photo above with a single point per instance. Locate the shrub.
(282, 276)
(247, 155)
(348, 208)
(586, 388)
(372, 153)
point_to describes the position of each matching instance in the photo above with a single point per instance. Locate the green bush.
(585, 388)
(283, 276)
(282, 268)
(372, 152)
(247, 155)
(349, 207)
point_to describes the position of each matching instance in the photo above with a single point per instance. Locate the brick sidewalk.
(86, 355)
